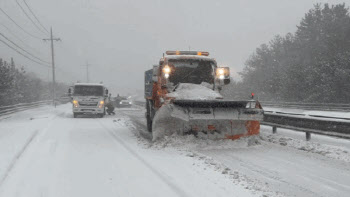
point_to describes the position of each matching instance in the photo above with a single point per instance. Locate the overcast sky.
(120, 39)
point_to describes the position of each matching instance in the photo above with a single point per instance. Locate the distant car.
(125, 103)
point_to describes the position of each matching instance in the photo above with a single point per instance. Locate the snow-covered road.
(44, 152)
(283, 164)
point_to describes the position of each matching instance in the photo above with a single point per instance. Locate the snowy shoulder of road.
(277, 164)
(282, 164)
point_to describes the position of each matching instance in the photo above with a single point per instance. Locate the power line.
(30, 18)
(19, 25)
(35, 16)
(53, 66)
(8, 29)
(24, 49)
(23, 54)
(87, 71)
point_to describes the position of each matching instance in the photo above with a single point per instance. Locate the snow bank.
(190, 91)
(167, 121)
(338, 152)
(190, 142)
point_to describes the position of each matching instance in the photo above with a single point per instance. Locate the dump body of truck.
(182, 96)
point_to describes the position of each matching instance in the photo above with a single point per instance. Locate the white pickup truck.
(88, 98)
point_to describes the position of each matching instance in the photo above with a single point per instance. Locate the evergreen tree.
(311, 65)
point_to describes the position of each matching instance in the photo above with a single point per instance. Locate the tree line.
(310, 65)
(17, 86)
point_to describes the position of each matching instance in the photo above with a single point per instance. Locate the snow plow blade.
(213, 119)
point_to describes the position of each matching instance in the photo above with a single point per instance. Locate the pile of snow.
(190, 142)
(188, 91)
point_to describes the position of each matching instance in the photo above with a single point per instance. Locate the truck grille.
(92, 104)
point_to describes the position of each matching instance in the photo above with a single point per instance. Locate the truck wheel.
(149, 124)
(148, 115)
(101, 115)
(75, 115)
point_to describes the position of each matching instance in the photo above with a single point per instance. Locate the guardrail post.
(274, 129)
(308, 136)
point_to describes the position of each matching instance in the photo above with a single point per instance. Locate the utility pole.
(53, 66)
(87, 71)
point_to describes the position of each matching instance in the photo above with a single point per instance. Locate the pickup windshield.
(193, 71)
(88, 90)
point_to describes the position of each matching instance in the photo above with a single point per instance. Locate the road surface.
(45, 152)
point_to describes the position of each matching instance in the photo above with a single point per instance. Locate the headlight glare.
(75, 103)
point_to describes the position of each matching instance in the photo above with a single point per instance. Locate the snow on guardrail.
(344, 107)
(6, 110)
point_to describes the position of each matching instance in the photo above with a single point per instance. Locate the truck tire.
(101, 115)
(148, 115)
(75, 115)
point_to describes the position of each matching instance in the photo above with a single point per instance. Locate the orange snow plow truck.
(183, 96)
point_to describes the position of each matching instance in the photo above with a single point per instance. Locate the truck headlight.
(166, 69)
(223, 73)
(101, 104)
(75, 103)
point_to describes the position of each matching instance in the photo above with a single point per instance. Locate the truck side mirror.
(69, 92)
(106, 92)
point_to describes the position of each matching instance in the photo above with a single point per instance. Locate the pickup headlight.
(75, 103)
(101, 104)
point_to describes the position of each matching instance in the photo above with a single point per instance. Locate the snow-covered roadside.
(190, 163)
(271, 168)
(192, 147)
(17, 131)
(330, 147)
(280, 164)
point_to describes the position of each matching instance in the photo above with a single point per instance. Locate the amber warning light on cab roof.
(203, 53)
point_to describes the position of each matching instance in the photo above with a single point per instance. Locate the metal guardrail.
(323, 125)
(309, 106)
(316, 124)
(6, 110)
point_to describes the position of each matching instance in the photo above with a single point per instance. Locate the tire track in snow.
(17, 157)
(141, 127)
(171, 185)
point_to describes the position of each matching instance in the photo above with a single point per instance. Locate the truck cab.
(88, 98)
(183, 67)
(190, 67)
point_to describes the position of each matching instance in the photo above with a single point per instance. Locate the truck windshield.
(88, 91)
(193, 71)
